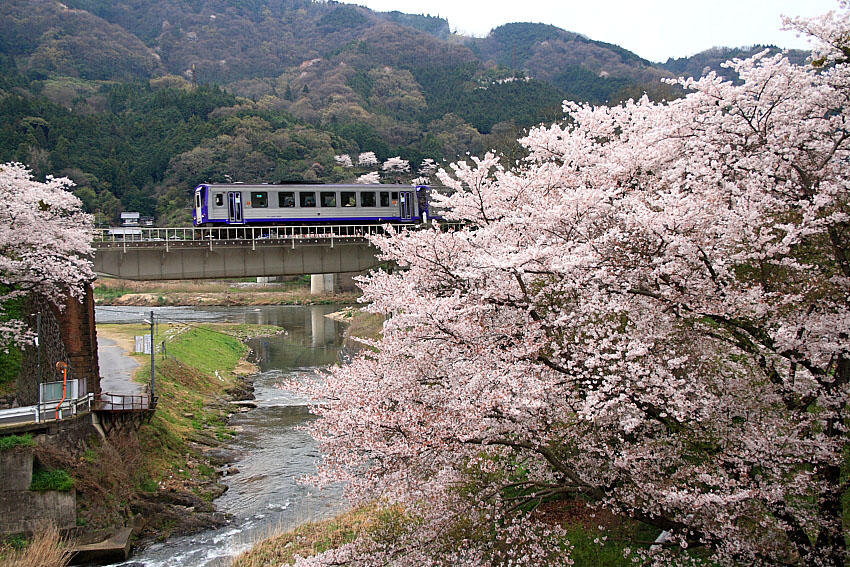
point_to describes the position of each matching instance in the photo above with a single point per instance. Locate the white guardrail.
(234, 232)
(47, 409)
(165, 237)
(137, 237)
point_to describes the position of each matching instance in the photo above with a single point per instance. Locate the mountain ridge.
(137, 100)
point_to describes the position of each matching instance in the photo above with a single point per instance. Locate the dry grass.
(306, 540)
(106, 476)
(46, 549)
(365, 325)
(168, 286)
(161, 293)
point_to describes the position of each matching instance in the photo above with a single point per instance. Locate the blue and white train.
(244, 205)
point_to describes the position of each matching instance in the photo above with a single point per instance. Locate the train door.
(199, 206)
(422, 203)
(406, 205)
(234, 207)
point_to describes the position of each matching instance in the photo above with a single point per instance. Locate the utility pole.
(38, 367)
(153, 348)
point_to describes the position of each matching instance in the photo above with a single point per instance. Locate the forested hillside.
(712, 60)
(138, 101)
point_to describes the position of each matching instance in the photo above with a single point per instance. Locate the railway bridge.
(234, 252)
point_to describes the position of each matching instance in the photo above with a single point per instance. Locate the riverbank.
(579, 521)
(164, 480)
(272, 448)
(295, 291)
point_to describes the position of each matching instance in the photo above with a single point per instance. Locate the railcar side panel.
(239, 204)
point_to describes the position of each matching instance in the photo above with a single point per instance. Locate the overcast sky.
(654, 29)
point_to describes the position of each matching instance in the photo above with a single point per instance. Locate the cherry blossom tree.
(369, 178)
(395, 165)
(367, 159)
(650, 313)
(394, 168)
(44, 244)
(344, 160)
(426, 169)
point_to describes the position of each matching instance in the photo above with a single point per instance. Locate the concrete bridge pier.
(321, 284)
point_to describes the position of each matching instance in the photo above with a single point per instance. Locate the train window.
(260, 200)
(286, 199)
(307, 198)
(367, 199)
(219, 199)
(385, 198)
(328, 198)
(348, 198)
(395, 198)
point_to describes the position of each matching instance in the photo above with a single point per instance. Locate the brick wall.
(77, 327)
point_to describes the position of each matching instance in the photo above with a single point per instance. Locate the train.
(242, 204)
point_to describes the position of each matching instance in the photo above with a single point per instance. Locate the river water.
(264, 497)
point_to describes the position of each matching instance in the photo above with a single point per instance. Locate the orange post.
(62, 366)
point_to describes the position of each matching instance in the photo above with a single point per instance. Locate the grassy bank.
(580, 523)
(306, 540)
(195, 379)
(162, 479)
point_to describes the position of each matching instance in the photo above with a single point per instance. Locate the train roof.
(304, 186)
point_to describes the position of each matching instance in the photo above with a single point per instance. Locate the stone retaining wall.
(16, 470)
(23, 511)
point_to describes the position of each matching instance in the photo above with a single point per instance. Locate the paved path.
(116, 368)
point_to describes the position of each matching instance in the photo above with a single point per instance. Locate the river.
(264, 497)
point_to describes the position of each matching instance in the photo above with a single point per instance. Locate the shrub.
(9, 442)
(51, 479)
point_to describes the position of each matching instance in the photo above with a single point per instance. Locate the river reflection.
(264, 496)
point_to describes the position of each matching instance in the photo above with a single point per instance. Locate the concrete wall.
(24, 512)
(15, 470)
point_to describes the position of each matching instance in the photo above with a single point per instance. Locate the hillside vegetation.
(139, 101)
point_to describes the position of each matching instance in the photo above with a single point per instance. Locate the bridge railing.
(188, 236)
(123, 402)
(233, 232)
(204, 234)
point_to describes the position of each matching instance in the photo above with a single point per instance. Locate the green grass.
(51, 479)
(147, 484)
(9, 442)
(589, 553)
(199, 368)
(207, 351)
(104, 292)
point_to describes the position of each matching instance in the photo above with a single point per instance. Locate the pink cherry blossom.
(367, 159)
(650, 312)
(44, 244)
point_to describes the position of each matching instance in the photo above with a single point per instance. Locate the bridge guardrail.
(123, 402)
(181, 236)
